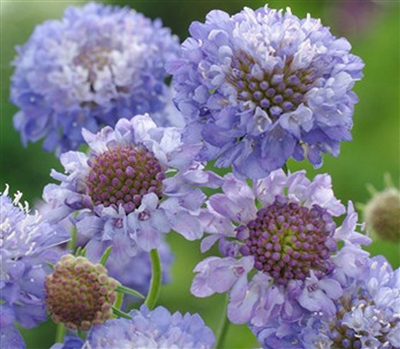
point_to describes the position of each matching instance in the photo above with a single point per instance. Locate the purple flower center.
(79, 293)
(288, 240)
(123, 175)
(276, 92)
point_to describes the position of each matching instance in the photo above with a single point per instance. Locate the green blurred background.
(373, 30)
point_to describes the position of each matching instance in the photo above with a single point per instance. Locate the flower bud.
(80, 294)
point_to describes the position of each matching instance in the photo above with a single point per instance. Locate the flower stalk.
(156, 278)
(223, 328)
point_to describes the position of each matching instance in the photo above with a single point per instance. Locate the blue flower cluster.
(249, 92)
(95, 66)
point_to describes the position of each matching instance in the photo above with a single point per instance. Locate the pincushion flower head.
(263, 86)
(120, 191)
(96, 65)
(278, 242)
(156, 328)
(27, 243)
(366, 317)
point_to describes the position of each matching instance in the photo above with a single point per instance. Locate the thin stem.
(72, 242)
(156, 277)
(60, 333)
(223, 327)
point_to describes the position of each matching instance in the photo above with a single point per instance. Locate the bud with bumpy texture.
(382, 214)
(80, 294)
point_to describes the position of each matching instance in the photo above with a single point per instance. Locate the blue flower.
(70, 342)
(366, 317)
(96, 65)
(278, 240)
(263, 86)
(156, 328)
(153, 329)
(120, 191)
(27, 242)
(10, 337)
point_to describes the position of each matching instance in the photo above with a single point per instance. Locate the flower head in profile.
(96, 65)
(27, 243)
(264, 86)
(137, 183)
(156, 328)
(278, 242)
(366, 317)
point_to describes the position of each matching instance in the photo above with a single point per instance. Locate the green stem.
(60, 333)
(72, 242)
(156, 276)
(224, 326)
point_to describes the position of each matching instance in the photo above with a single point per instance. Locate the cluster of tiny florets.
(123, 175)
(80, 294)
(288, 240)
(275, 92)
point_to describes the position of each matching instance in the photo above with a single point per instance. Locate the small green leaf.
(105, 255)
(51, 265)
(127, 290)
(120, 313)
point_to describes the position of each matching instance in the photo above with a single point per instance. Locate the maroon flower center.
(123, 175)
(277, 91)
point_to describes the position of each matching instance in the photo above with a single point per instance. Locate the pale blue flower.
(94, 66)
(120, 191)
(260, 87)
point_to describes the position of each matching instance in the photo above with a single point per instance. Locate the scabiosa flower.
(96, 65)
(367, 316)
(153, 329)
(120, 188)
(279, 246)
(263, 86)
(27, 243)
